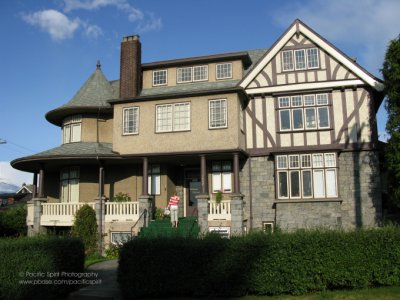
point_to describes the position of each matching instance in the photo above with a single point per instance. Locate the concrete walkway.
(108, 289)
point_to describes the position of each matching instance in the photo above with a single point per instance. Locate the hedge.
(260, 264)
(27, 265)
(13, 221)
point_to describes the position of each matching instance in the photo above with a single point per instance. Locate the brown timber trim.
(254, 121)
(331, 117)
(274, 73)
(263, 73)
(357, 114)
(277, 126)
(327, 66)
(335, 71)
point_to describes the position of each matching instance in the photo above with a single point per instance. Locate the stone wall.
(360, 189)
(358, 205)
(262, 190)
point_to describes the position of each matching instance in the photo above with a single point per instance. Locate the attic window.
(300, 59)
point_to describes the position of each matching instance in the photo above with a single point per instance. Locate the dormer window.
(72, 129)
(224, 71)
(159, 77)
(300, 59)
(190, 74)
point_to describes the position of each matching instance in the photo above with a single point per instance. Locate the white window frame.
(157, 77)
(135, 120)
(210, 114)
(295, 59)
(287, 103)
(285, 65)
(128, 233)
(205, 67)
(69, 179)
(69, 135)
(179, 71)
(222, 177)
(154, 179)
(226, 74)
(317, 52)
(292, 56)
(319, 166)
(172, 119)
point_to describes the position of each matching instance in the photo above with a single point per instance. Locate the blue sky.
(49, 48)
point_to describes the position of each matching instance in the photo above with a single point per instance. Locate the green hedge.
(260, 264)
(13, 221)
(27, 265)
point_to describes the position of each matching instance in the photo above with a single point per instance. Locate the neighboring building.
(287, 134)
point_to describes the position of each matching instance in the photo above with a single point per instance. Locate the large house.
(287, 135)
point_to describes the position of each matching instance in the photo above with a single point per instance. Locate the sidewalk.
(108, 289)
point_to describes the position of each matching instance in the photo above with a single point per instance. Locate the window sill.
(276, 201)
(304, 130)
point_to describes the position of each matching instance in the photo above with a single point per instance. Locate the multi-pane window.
(189, 74)
(200, 73)
(173, 117)
(306, 176)
(185, 74)
(72, 129)
(306, 112)
(217, 113)
(154, 182)
(222, 176)
(160, 77)
(300, 59)
(69, 185)
(131, 120)
(120, 238)
(224, 70)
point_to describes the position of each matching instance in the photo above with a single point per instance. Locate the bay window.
(306, 176)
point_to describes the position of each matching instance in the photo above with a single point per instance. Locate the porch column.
(203, 175)
(100, 209)
(34, 191)
(41, 182)
(237, 203)
(145, 200)
(236, 181)
(145, 184)
(37, 214)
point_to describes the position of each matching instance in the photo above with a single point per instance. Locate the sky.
(48, 49)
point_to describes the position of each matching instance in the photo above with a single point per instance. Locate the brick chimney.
(130, 82)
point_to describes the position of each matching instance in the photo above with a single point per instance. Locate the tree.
(13, 221)
(85, 228)
(391, 76)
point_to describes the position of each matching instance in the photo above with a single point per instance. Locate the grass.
(94, 259)
(384, 293)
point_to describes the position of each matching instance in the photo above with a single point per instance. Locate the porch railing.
(63, 214)
(121, 211)
(60, 214)
(221, 211)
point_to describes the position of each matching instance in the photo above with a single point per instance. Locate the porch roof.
(80, 150)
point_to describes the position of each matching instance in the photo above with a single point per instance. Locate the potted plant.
(218, 197)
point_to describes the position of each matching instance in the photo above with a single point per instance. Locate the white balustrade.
(121, 211)
(221, 211)
(63, 214)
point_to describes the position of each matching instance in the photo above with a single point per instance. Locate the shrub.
(28, 264)
(85, 228)
(13, 221)
(121, 197)
(262, 264)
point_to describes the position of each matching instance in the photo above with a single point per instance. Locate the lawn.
(386, 293)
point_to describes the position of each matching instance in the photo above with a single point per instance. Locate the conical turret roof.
(91, 97)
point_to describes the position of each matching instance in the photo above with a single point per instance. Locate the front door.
(193, 186)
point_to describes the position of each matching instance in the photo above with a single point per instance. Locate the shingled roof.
(66, 151)
(91, 97)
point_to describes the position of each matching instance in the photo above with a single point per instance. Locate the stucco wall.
(237, 73)
(198, 138)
